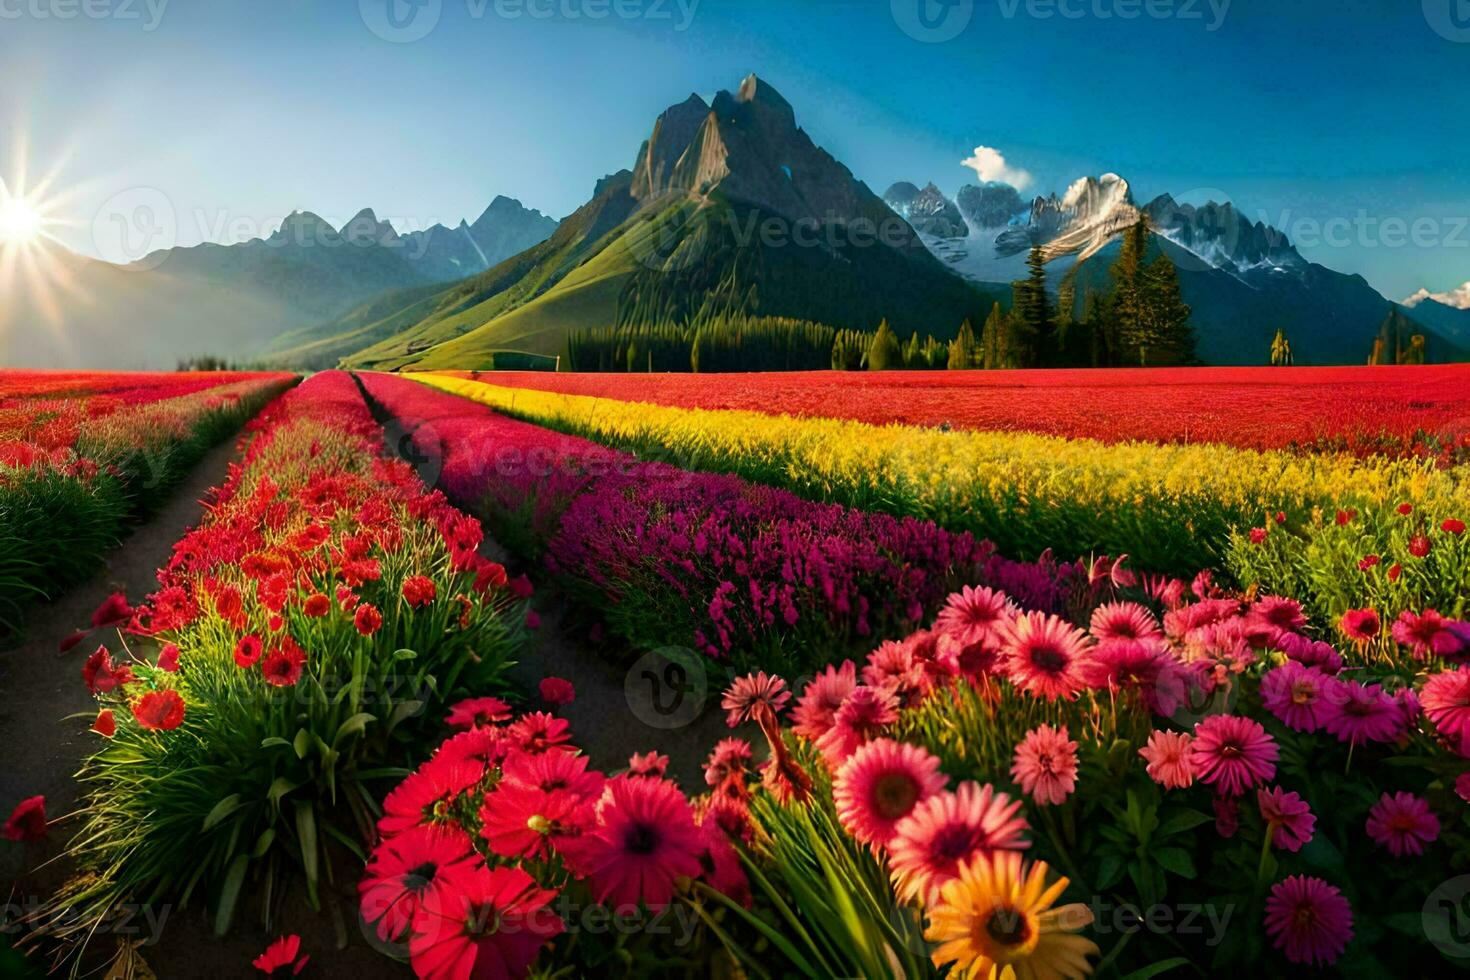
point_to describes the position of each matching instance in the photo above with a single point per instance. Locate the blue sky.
(1342, 122)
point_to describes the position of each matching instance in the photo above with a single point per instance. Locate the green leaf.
(280, 788)
(273, 741)
(302, 744)
(222, 809)
(1179, 821)
(1154, 969)
(1175, 859)
(405, 655)
(263, 842)
(402, 712)
(1110, 869)
(224, 913)
(306, 834)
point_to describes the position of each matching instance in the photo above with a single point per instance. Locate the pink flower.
(1363, 713)
(114, 611)
(168, 658)
(975, 616)
(1232, 753)
(1146, 666)
(1288, 819)
(866, 712)
(753, 694)
(816, 711)
(1167, 754)
(648, 765)
(281, 957)
(1046, 765)
(1046, 656)
(474, 712)
(1446, 702)
(1403, 823)
(1308, 920)
(557, 691)
(947, 830)
(1123, 621)
(27, 822)
(880, 785)
(1298, 695)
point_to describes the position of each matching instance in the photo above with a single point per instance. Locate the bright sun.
(20, 222)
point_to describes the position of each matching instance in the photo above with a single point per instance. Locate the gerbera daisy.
(168, 658)
(720, 865)
(1146, 666)
(1045, 655)
(892, 668)
(426, 798)
(1308, 920)
(752, 694)
(1046, 765)
(538, 731)
(1123, 621)
(975, 616)
(247, 650)
(474, 712)
(1300, 696)
(1360, 625)
(281, 958)
(493, 926)
(880, 784)
(996, 920)
(824, 694)
(1310, 653)
(729, 761)
(404, 869)
(1232, 753)
(644, 841)
(553, 771)
(282, 666)
(1272, 615)
(27, 822)
(1288, 819)
(1403, 823)
(866, 712)
(523, 822)
(1363, 713)
(159, 711)
(469, 755)
(946, 830)
(367, 620)
(1426, 633)
(1167, 754)
(106, 724)
(1446, 702)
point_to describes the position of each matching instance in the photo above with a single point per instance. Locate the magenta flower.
(1232, 753)
(1308, 920)
(1402, 823)
(1288, 819)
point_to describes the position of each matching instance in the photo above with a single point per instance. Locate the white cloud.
(1459, 297)
(990, 164)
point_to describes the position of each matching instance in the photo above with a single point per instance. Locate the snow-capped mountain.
(928, 210)
(1457, 298)
(1220, 237)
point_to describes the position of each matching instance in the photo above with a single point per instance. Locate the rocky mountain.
(990, 205)
(927, 210)
(729, 208)
(1447, 314)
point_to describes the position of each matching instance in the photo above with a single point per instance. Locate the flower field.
(82, 452)
(1366, 411)
(997, 703)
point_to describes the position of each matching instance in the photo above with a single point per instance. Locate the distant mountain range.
(729, 210)
(1243, 280)
(233, 300)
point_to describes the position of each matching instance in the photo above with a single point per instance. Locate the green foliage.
(1152, 320)
(884, 351)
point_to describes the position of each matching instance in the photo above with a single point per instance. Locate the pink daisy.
(648, 765)
(1363, 713)
(729, 761)
(817, 708)
(472, 712)
(1299, 696)
(1232, 753)
(866, 712)
(881, 784)
(1046, 656)
(1425, 634)
(975, 616)
(1046, 765)
(1273, 615)
(523, 822)
(1123, 621)
(540, 732)
(1308, 920)
(1310, 653)
(892, 667)
(1288, 819)
(948, 829)
(405, 868)
(752, 694)
(1145, 666)
(645, 840)
(1446, 702)
(552, 772)
(1167, 754)
(1403, 823)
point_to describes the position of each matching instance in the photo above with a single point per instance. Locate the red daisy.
(557, 691)
(1360, 625)
(528, 822)
(947, 830)
(491, 926)
(159, 711)
(427, 797)
(538, 731)
(553, 772)
(817, 708)
(474, 712)
(281, 958)
(248, 650)
(282, 666)
(404, 869)
(645, 840)
(316, 605)
(27, 822)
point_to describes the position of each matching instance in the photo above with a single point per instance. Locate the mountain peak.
(366, 229)
(303, 228)
(1457, 298)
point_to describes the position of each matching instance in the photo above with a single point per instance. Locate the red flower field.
(1364, 409)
